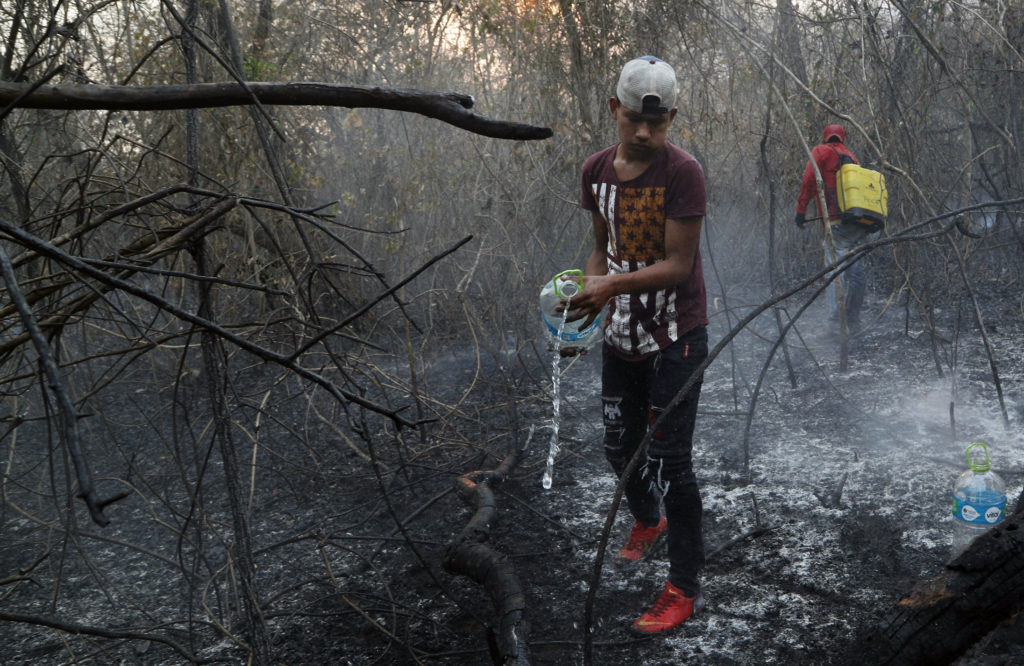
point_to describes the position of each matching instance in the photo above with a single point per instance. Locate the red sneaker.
(642, 541)
(671, 609)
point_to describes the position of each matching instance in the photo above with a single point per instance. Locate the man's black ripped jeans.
(634, 394)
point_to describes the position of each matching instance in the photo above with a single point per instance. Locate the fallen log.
(939, 619)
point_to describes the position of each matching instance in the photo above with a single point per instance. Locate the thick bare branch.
(452, 108)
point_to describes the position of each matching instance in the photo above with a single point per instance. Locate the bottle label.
(980, 512)
(572, 335)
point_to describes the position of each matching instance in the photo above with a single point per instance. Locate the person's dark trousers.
(634, 395)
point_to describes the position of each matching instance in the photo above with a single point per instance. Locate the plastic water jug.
(979, 498)
(562, 288)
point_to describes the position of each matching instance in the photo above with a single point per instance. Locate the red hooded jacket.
(826, 155)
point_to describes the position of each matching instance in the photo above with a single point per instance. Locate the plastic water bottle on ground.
(567, 333)
(979, 498)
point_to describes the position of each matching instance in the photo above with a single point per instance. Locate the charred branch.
(469, 556)
(757, 530)
(69, 415)
(752, 533)
(100, 632)
(451, 108)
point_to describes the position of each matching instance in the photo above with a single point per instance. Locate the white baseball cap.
(647, 85)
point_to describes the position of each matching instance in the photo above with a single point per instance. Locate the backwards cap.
(647, 85)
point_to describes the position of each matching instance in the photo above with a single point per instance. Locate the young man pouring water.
(646, 197)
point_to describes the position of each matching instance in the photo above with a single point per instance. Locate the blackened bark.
(469, 556)
(940, 619)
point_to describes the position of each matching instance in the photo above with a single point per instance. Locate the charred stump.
(940, 619)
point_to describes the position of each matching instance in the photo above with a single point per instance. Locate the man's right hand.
(588, 304)
(800, 219)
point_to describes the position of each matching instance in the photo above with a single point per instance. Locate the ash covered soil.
(877, 436)
(846, 506)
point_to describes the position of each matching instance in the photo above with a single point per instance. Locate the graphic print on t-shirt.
(641, 224)
(639, 235)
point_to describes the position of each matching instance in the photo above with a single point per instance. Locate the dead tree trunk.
(940, 619)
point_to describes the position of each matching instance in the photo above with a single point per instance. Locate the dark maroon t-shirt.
(635, 211)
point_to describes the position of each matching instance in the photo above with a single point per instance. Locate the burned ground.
(844, 506)
(798, 591)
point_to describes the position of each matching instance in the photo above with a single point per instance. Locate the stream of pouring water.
(556, 401)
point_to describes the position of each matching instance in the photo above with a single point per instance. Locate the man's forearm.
(597, 264)
(661, 275)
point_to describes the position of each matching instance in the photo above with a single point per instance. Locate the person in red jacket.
(829, 155)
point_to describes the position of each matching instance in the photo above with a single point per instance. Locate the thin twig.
(102, 632)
